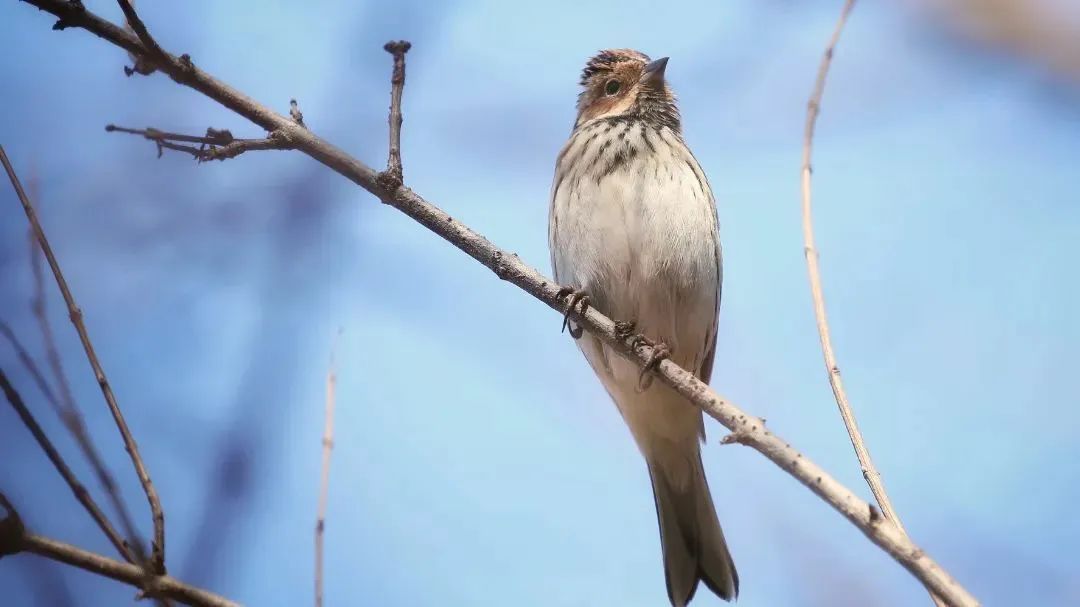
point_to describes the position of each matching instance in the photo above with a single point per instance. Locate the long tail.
(693, 543)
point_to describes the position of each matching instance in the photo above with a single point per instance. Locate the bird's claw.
(575, 297)
(659, 352)
(627, 330)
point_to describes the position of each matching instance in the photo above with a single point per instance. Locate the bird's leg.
(659, 352)
(627, 330)
(575, 297)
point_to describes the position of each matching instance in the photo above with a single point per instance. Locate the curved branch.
(832, 367)
(509, 268)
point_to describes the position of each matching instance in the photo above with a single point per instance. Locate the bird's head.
(626, 83)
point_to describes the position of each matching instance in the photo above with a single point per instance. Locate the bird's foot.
(575, 297)
(627, 330)
(660, 351)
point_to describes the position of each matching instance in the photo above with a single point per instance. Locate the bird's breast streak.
(640, 238)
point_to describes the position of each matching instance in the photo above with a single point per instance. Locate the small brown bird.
(633, 228)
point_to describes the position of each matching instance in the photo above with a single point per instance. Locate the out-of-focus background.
(477, 460)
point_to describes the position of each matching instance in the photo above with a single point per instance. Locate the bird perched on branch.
(633, 231)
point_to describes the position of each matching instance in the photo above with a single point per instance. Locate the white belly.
(642, 241)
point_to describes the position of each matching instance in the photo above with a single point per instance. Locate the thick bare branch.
(15, 539)
(509, 268)
(158, 551)
(77, 488)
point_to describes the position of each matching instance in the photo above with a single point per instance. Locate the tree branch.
(832, 367)
(61, 466)
(509, 268)
(143, 64)
(324, 482)
(15, 539)
(215, 145)
(158, 550)
(64, 405)
(393, 176)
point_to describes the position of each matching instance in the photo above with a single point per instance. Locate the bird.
(633, 232)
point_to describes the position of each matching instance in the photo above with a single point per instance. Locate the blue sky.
(477, 460)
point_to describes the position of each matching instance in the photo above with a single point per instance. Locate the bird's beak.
(654, 72)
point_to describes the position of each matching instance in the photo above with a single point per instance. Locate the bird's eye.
(611, 87)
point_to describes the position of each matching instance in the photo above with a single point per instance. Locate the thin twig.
(15, 539)
(869, 470)
(61, 466)
(509, 268)
(158, 550)
(39, 306)
(217, 144)
(873, 478)
(324, 481)
(28, 363)
(65, 406)
(394, 175)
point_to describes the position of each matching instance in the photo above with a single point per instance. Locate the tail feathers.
(690, 534)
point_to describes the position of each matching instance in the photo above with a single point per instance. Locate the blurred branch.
(870, 473)
(217, 144)
(15, 539)
(869, 470)
(64, 406)
(748, 430)
(158, 558)
(324, 482)
(81, 494)
(31, 367)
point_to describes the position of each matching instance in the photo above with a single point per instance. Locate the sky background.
(477, 460)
